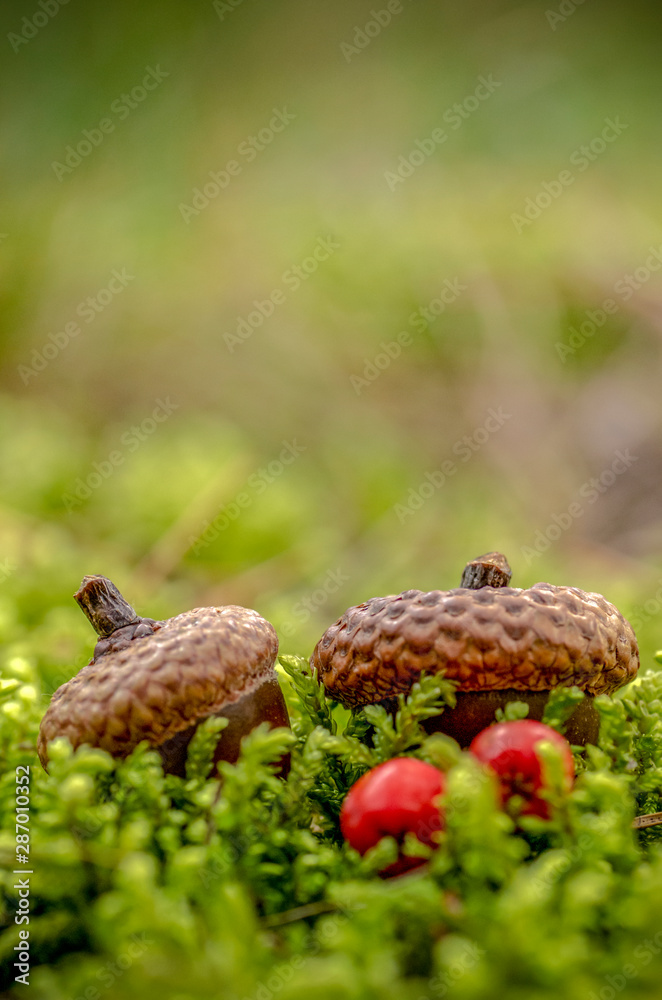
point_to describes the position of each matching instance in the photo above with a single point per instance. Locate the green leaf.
(311, 707)
(561, 703)
(404, 732)
(513, 711)
(201, 749)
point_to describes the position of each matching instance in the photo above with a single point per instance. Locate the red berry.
(509, 748)
(395, 798)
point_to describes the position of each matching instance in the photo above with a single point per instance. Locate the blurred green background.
(199, 506)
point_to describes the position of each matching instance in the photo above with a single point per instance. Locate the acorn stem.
(490, 570)
(103, 604)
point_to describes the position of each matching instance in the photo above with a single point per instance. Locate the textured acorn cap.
(195, 665)
(487, 639)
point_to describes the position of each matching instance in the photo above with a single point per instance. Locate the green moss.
(148, 885)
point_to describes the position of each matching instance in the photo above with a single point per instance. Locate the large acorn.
(496, 642)
(157, 680)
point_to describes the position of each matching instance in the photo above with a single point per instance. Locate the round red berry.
(393, 799)
(509, 749)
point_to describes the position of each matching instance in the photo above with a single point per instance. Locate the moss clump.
(237, 884)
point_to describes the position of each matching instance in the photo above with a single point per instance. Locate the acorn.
(157, 680)
(497, 643)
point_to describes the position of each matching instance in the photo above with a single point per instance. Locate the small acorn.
(157, 680)
(498, 643)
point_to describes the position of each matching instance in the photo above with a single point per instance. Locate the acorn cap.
(160, 685)
(484, 637)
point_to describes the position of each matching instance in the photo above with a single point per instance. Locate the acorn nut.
(156, 680)
(497, 643)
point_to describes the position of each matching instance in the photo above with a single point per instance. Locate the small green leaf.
(200, 754)
(513, 711)
(561, 703)
(311, 707)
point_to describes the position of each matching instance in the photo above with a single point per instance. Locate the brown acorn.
(496, 642)
(157, 680)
